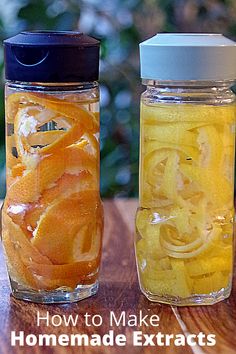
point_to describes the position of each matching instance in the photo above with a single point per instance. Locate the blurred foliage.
(120, 25)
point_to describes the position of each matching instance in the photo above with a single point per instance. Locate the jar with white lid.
(184, 223)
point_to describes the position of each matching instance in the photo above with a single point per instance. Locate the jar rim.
(188, 83)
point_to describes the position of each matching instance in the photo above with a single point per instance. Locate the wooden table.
(118, 292)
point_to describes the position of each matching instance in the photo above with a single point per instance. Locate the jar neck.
(47, 86)
(197, 92)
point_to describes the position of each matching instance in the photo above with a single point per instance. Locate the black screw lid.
(45, 56)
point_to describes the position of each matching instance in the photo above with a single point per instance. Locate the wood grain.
(118, 292)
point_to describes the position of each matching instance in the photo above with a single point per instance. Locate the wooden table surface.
(118, 292)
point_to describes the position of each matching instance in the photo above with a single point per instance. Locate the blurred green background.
(121, 25)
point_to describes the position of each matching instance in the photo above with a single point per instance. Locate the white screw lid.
(188, 56)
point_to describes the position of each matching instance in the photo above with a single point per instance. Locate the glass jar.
(184, 223)
(52, 215)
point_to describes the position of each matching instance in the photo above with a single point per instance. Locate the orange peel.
(65, 218)
(61, 106)
(17, 170)
(21, 243)
(44, 276)
(29, 187)
(66, 185)
(54, 276)
(45, 137)
(64, 138)
(17, 269)
(52, 216)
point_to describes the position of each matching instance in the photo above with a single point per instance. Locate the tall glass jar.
(184, 223)
(52, 218)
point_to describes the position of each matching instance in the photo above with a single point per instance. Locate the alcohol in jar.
(52, 214)
(184, 225)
